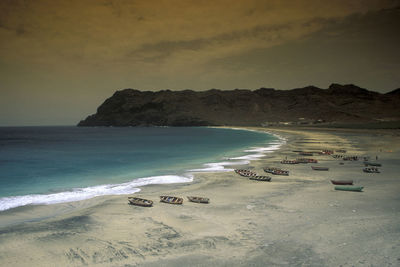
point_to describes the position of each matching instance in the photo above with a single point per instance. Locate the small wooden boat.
(261, 178)
(245, 173)
(342, 182)
(304, 153)
(276, 171)
(341, 151)
(351, 158)
(371, 170)
(285, 161)
(349, 188)
(171, 200)
(240, 170)
(140, 202)
(373, 164)
(326, 152)
(315, 168)
(306, 160)
(198, 199)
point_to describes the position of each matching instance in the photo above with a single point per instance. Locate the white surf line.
(260, 152)
(79, 194)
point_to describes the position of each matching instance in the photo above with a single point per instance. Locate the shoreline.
(131, 186)
(292, 221)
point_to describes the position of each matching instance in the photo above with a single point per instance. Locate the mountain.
(240, 107)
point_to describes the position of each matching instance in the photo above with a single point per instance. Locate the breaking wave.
(78, 194)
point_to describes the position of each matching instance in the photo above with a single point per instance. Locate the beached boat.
(342, 182)
(245, 173)
(304, 153)
(276, 171)
(326, 152)
(171, 200)
(240, 170)
(140, 202)
(261, 178)
(371, 170)
(349, 188)
(306, 160)
(198, 199)
(316, 168)
(285, 161)
(374, 164)
(351, 158)
(341, 151)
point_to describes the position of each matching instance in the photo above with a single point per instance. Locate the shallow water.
(45, 165)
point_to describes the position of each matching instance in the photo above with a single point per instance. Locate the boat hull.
(342, 182)
(306, 160)
(276, 171)
(171, 200)
(140, 202)
(306, 153)
(371, 170)
(245, 173)
(319, 168)
(289, 162)
(373, 164)
(261, 178)
(202, 200)
(349, 188)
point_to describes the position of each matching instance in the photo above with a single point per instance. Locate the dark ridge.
(394, 92)
(241, 107)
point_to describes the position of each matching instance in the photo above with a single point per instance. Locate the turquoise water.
(44, 165)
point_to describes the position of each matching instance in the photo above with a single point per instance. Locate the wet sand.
(295, 220)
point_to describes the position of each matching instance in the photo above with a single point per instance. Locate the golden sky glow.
(60, 59)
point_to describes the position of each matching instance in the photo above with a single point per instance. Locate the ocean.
(48, 165)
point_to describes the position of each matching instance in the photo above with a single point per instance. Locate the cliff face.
(338, 103)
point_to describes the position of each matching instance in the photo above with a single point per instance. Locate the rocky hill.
(338, 104)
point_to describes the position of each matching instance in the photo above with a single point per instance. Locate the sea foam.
(219, 166)
(78, 194)
(256, 154)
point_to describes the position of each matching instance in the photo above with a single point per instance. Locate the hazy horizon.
(61, 60)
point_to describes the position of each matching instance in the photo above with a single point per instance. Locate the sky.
(59, 60)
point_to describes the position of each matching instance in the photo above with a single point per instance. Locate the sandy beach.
(295, 220)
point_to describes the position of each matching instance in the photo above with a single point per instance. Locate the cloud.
(101, 31)
(260, 36)
(164, 37)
